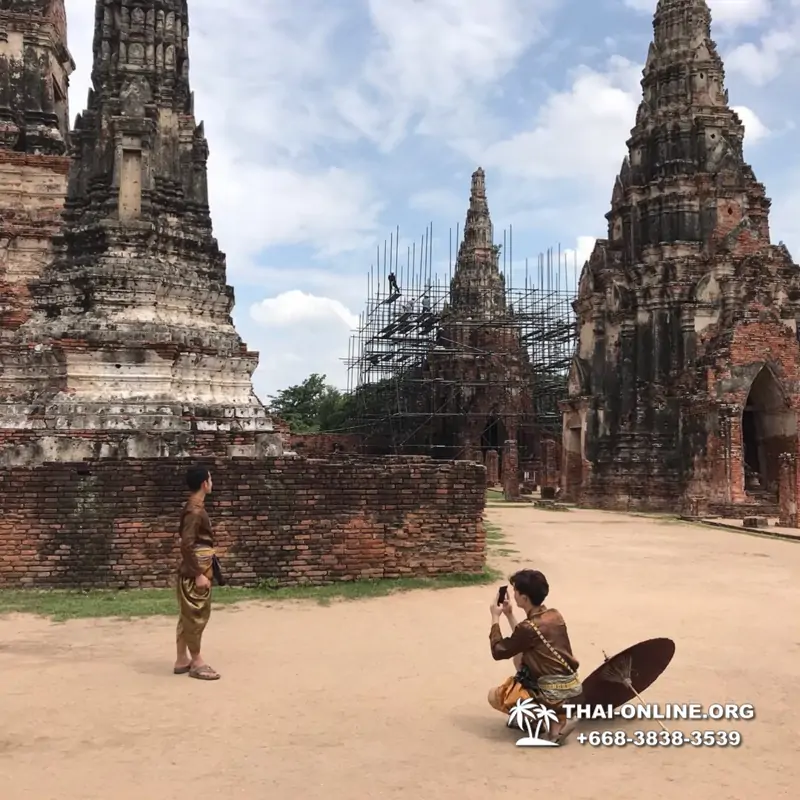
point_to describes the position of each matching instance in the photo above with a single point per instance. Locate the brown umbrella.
(627, 674)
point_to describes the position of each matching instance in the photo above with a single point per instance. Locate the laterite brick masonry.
(110, 524)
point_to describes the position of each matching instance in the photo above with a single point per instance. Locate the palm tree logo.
(521, 714)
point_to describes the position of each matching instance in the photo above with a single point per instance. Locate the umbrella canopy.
(627, 674)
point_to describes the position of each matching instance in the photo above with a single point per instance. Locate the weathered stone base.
(630, 489)
(289, 521)
(23, 448)
(742, 510)
(678, 503)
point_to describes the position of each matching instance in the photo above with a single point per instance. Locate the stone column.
(492, 468)
(727, 472)
(787, 491)
(511, 470)
(550, 477)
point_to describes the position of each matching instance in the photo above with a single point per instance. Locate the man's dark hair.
(532, 584)
(196, 476)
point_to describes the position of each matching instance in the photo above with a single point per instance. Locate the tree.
(311, 406)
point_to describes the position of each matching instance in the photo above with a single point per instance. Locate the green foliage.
(312, 406)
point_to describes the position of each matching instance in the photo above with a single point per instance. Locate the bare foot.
(560, 731)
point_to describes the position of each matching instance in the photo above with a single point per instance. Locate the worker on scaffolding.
(394, 289)
(426, 302)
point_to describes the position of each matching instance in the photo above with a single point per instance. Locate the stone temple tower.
(35, 65)
(130, 350)
(478, 288)
(480, 367)
(685, 386)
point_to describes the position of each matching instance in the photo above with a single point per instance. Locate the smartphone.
(501, 597)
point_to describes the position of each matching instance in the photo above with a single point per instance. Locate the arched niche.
(494, 434)
(578, 383)
(769, 428)
(615, 297)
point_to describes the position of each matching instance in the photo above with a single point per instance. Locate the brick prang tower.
(685, 385)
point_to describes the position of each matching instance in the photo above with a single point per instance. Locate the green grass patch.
(496, 541)
(495, 497)
(63, 604)
(494, 533)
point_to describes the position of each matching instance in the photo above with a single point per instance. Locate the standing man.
(194, 577)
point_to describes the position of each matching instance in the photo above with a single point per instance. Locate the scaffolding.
(400, 331)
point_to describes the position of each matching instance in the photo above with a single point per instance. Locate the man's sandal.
(181, 670)
(204, 673)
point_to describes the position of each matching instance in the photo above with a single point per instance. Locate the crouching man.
(546, 669)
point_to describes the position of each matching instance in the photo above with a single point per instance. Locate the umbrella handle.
(630, 686)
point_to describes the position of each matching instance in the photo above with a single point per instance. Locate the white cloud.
(441, 202)
(578, 255)
(301, 334)
(579, 133)
(754, 129)
(299, 308)
(785, 212)
(256, 207)
(730, 13)
(433, 63)
(759, 64)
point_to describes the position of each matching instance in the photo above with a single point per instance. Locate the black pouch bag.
(219, 578)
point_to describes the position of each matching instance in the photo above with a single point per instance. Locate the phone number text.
(661, 739)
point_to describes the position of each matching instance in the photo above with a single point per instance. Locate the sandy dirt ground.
(386, 698)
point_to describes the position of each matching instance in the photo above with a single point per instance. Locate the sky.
(330, 125)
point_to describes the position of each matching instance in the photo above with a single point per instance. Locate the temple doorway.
(769, 428)
(494, 438)
(574, 457)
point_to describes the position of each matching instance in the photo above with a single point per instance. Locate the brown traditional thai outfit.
(197, 551)
(542, 676)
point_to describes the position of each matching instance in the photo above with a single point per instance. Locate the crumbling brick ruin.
(119, 361)
(685, 387)
(129, 349)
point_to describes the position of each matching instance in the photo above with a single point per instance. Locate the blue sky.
(330, 124)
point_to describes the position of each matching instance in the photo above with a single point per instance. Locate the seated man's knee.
(494, 700)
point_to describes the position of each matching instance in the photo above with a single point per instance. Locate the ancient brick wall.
(289, 520)
(322, 445)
